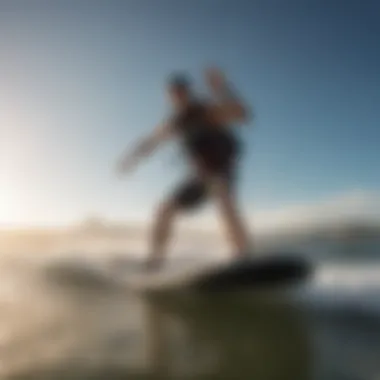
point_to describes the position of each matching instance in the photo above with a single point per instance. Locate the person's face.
(179, 96)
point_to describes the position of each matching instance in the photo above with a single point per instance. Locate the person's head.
(179, 90)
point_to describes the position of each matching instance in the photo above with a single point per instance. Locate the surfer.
(212, 149)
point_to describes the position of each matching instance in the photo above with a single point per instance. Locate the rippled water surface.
(64, 318)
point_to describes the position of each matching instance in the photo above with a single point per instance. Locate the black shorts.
(216, 155)
(193, 191)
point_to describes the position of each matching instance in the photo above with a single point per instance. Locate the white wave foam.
(344, 287)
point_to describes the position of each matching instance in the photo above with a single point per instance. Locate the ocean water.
(65, 316)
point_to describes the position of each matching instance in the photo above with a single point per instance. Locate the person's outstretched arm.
(146, 147)
(228, 106)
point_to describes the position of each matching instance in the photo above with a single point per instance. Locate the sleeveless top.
(198, 135)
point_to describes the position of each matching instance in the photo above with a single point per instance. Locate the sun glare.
(9, 208)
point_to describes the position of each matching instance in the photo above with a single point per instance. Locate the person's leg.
(187, 196)
(227, 204)
(219, 170)
(161, 232)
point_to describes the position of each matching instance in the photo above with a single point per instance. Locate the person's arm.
(146, 146)
(228, 107)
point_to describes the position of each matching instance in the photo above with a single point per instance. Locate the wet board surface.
(254, 273)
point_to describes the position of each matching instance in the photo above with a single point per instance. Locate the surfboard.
(253, 273)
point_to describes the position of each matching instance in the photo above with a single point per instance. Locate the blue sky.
(81, 80)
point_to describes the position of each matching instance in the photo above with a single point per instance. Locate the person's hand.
(215, 78)
(125, 165)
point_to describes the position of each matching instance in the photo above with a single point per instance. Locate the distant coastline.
(97, 229)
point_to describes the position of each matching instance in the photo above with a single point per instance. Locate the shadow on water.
(241, 339)
(221, 337)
